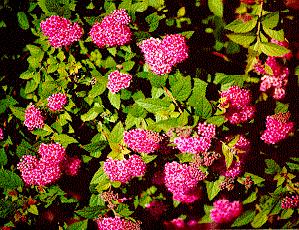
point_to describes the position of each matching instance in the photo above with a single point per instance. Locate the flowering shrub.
(149, 114)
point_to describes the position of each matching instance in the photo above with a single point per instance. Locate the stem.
(259, 23)
(172, 98)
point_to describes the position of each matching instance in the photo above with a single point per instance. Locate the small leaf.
(256, 179)
(114, 99)
(244, 219)
(259, 220)
(270, 20)
(153, 105)
(80, 225)
(213, 188)
(64, 139)
(23, 20)
(252, 197)
(9, 179)
(216, 7)
(286, 213)
(117, 133)
(276, 34)
(3, 157)
(274, 50)
(272, 167)
(229, 156)
(91, 212)
(238, 26)
(33, 209)
(281, 108)
(216, 120)
(244, 40)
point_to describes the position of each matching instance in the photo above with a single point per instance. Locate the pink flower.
(162, 55)
(124, 170)
(243, 143)
(225, 211)
(142, 141)
(192, 144)
(118, 81)
(61, 31)
(277, 128)
(57, 101)
(1, 134)
(290, 202)
(234, 170)
(33, 118)
(53, 153)
(182, 180)
(116, 223)
(206, 130)
(237, 101)
(113, 30)
(71, 165)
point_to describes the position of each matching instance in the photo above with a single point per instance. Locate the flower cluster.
(182, 180)
(45, 170)
(142, 141)
(1, 134)
(71, 165)
(156, 208)
(206, 130)
(61, 31)
(57, 101)
(113, 30)
(116, 223)
(242, 144)
(192, 144)
(33, 118)
(225, 211)
(278, 127)
(234, 171)
(237, 101)
(162, 55)
(118, 81)
(124, 170)
(290, 202)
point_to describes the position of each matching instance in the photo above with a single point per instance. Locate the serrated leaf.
(238, 26)
(274, 50)
(157, 4)
(80, 225)
(252, 197)
(286, 213)
(24, 148)
(256, 179)
(216, 7)
(92, 113)
(31, 86)
(228, 155)
(114, 99)
(128, 65)
(244, 219)
(9, 180)
(64, 139)
(18, 112)
(270, 20)
(216, 120)
(188, 34)
(117, 133)
(203, 108)
(123, 210)
(153, 20)
(148, 158)
(185, 157)
(272, 167)
(3, 157)
(293, 166)
(91, 212)
(259, 220)
(153, 105)
(180, 86)
(33, 209)
(244, 40)
(213, 188)
(281, 108)
(23, 20)
(276, 34)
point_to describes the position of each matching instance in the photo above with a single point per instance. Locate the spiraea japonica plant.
(149, 114)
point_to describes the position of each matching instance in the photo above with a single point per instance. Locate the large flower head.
(116, 223)
(278, 127)
(113, 30)
(33, 118)
(225, 211)
(56, 101)
(142, 141)
(118, 81)
(61, 31)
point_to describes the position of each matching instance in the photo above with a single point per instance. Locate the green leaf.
(203, 108)
(31, 85)
(276, 34)
(252, 197)
(293, 166)
(274, 50)
(259, 220)
(3, 157)
(153, 20)
(216, 7)
(216, 120)
(244, 219)
(244, 40)
(188, 34)
(18, 112)
(153, 105)
(123, 210)
(23, 20)
(238, 26)
(92, 113)
(256, 179)
(270, 20)
(229, 156)
(114, 99)
(24, 148)
(148, 158)
(80, 225)
(227, 81)
(180, 86)
(117, 133)
(128, 65)
(185, 157)
(281, 108)
(213, 188)
(9, 179)
(64, 139)
(157, 4)
(272, 167)
(286, 213)
(33, 209)
(91, 212)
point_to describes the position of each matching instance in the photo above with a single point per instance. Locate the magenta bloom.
(225, 211)
(234, 170)
(156, 208)
(1, 134)
(118, 81)
(192, 144)
(290, 202)
(243, 143)
(45, 170)
(71, 165)
(33, 118)
(57, 101)
(162, 55)
(206, 130)
(124, 170)
(182, 180)
(61, 31)
(237, 101)
(277, 128)
(142, 141)
(116, 223)
(113, 30)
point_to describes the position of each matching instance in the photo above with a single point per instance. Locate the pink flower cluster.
(156, 208)
(243, 143)
(225, 211)
(33, 118)
(182, 180)
(277, 128)
(61, 31)
(113, 30)
(71, 165)
(45, 170)
(162, 55)
(116, 223)
(200, 143)
(124, 170)
(234, 170)
(142, 141)
(238, 102)
(1, 134)
(118, 81)
(290, 202)
(57, 101)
